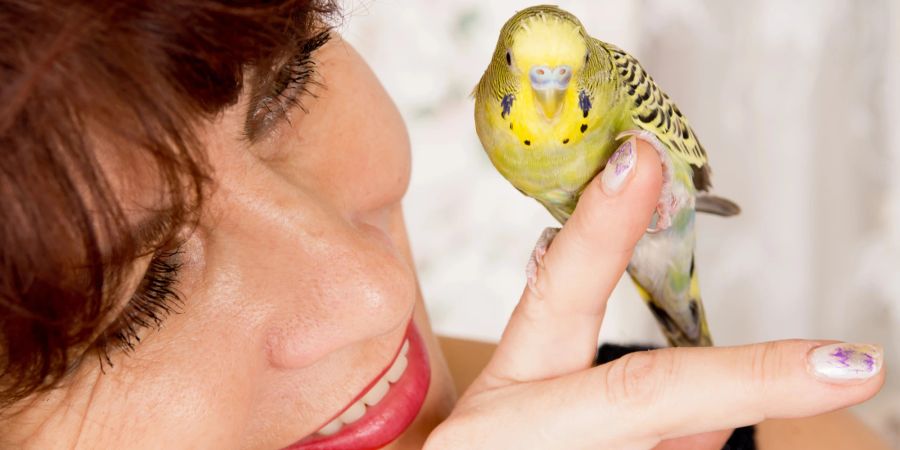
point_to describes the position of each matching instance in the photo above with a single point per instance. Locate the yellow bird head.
(541, 53)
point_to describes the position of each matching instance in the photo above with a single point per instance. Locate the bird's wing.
(652, 110)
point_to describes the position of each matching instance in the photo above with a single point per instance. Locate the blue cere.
(506, 103)
(584, 102)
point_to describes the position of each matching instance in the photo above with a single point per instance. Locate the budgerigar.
(552, 106)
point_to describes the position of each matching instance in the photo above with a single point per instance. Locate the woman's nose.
(324, 279)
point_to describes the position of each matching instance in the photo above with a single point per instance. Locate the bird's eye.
(586, 57)
(508, 58)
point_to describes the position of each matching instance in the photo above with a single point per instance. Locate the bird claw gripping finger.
(668, 201)
(537, 256)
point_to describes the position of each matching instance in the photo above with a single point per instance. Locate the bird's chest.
(551, 161)
(552, 172)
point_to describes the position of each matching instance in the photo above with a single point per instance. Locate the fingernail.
(846, 361)
(619, 167)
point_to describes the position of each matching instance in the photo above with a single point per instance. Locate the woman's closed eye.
(290, 84)
(155, 298)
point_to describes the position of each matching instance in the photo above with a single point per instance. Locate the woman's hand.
(539, 390)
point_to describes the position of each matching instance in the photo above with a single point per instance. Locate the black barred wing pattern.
(655, 112)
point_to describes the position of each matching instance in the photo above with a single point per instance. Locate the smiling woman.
(178, 239)
(80, 73)
(203, 247)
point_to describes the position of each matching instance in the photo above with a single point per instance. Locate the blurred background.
(797, 105)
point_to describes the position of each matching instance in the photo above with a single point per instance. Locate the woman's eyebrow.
(150, 230)
(140, 238)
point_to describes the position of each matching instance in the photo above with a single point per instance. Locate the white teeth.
(372, 397)
(393, 374)
(331, 428)
(376, 393)
(354, 412)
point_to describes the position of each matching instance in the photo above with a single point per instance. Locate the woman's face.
(299, 291)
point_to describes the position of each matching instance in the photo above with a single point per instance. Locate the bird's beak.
(550, 85)
(550, 101)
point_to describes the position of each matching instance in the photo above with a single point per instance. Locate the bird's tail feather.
(719, 206)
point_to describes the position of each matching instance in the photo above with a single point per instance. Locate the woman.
(203, 247)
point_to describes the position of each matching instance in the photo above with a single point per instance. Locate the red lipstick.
(389, 417)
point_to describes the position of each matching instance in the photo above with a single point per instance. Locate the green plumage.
(550, 142)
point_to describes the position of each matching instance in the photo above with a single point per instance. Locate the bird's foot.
(537, 256)
(668, 202)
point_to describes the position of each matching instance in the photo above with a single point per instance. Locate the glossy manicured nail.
(619, 167)
(846, 361)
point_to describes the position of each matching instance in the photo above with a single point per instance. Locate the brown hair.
(141, 75)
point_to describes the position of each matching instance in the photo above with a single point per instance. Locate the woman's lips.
(382, 411)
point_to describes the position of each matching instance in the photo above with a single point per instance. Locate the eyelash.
(291, 84)
(153, 301)
(156, 297)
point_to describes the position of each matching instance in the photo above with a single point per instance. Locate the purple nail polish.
(619, 167)
(846, 361)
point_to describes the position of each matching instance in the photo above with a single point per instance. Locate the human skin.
(676, 398)
(299, 284)
(837, 430)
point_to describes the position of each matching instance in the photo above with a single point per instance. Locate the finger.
(713, 440)
(678, 392)
(644, 398)
(554, 328)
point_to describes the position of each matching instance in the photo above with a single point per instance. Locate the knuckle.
(764, 365)
(640, 377)
(593, 233)
(543, 284)
(585, 225)
(534, 309)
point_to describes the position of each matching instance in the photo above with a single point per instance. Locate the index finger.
(695, 390)
(554, 328)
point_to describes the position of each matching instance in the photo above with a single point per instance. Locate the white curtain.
(796, 103)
